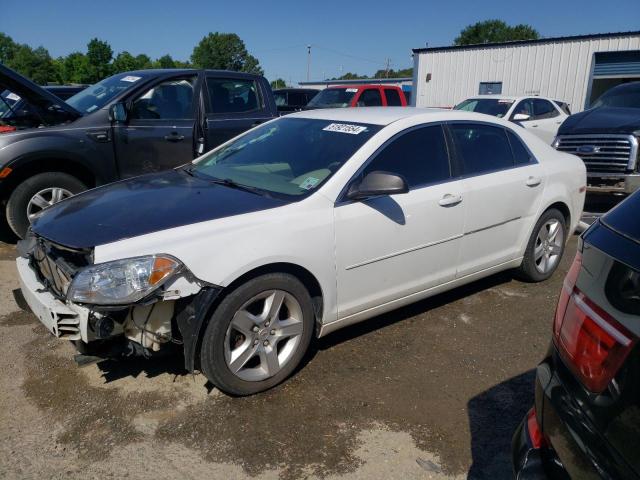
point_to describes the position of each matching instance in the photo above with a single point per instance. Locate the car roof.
(387, 115)
(513, 98)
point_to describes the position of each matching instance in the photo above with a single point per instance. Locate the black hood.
(602, 120)
(143, 205)
(33, 93)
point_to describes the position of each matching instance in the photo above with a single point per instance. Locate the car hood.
(602, 120)
(142, 205)
(33, 93)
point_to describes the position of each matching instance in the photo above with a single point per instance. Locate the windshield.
(289, 156)
(97, 96)
(489, 106)
(333, 98)
(623, 96)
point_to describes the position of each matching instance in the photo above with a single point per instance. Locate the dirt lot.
(430, 391)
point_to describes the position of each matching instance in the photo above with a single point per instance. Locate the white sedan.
(299, 227)
(541, 116)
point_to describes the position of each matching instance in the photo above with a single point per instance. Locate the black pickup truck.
(125, 125)
(606, 137)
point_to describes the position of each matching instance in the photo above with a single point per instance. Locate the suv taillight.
(590, 341)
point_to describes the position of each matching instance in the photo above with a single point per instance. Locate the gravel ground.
(434, 390)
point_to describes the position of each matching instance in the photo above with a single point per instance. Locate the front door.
(389, 247)
(503, 185)
(159, 132)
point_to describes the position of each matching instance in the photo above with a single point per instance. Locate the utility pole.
(308, 61)
(386, 72)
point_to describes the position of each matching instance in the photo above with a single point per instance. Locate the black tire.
(212, 356)
(528, 271)
(19, 200)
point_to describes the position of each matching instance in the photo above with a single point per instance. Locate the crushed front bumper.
(626, 184)
(63, 320)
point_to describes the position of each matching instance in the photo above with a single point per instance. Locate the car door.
(503, 184)
(369, 97)
(388, 247)
(547, 119)
(235, 104)
(158, 134)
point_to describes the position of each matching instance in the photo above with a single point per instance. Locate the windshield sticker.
(13, 96)
(130, 78)
(309, 182)
(352, 90)
(345, 128)
(506, 101)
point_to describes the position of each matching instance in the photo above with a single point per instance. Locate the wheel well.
(562, 207)
(35, 167)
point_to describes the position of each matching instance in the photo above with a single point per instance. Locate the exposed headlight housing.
(122, 281)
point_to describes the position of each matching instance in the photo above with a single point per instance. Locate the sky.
(345, 36)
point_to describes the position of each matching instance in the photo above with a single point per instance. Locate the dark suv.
(586, 420)
(128, 124)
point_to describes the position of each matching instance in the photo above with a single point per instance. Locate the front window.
(97, 96)
(333, 98)
(489, 106)
(289, 157)
(627, 96)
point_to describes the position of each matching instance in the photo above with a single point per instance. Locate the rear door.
(234, 105)
(547, 119)
(503, 186)
(389, 247)
(159, 132)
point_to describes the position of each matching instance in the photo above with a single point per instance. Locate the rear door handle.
(450, 200)
(174, 137)
(533, 181)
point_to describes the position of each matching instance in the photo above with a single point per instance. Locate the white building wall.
(557, 69)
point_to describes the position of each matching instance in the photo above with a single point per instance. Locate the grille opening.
(603, 153)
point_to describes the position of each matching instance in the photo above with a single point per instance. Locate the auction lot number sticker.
(344, 128)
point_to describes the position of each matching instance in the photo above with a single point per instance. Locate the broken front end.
(124, 308)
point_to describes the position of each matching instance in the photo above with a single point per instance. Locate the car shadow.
(348, 333)
(493, 418)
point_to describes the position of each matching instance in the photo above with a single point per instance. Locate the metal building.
(576, 69)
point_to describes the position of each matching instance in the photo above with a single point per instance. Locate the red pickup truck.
(359, 96)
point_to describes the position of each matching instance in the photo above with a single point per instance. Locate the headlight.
(121, 281)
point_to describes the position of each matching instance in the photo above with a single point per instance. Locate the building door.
(611, 69)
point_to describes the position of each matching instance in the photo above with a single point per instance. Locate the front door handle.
(450, 200)
(174, 137)
(533, 181)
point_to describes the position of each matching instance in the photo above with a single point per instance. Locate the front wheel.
(37, 193)
(545, 248)
(258, 334)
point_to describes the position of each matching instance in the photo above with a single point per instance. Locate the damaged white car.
(294, 229)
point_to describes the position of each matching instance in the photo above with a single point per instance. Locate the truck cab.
(128, 124)
(359, 96)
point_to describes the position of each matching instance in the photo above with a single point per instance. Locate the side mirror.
(378, 183)
(118, 112)
(521, 117)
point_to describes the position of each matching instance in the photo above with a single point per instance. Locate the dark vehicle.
(586, 420)
(606, 137)
(359, 96)
(125, 125)
(293, 99)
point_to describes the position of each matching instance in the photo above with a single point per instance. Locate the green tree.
(225, 51)
(124, 62)
(7, 48)
(99, 55)
(165, 61)
(402, 73)
(143, 62)
(278, 83)
(35, 64)
(76, 69)
(490, 31)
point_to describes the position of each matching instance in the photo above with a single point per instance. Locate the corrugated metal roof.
(516, 43)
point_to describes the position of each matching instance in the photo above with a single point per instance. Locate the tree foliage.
(99, 56)
(491, 31)
(278, 83)
(225, 51)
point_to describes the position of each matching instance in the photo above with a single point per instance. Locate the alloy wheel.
(263, 335)
(45, 198)
(548, 247)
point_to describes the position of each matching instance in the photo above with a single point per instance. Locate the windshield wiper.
(227, 182)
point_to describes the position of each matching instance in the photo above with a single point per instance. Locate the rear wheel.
(37, 193)
(545, 248)
(258, 334)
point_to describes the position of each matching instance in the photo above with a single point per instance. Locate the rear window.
(482, 148)
(563, 106)
(230, 95)
(623, 218)
(393, 97)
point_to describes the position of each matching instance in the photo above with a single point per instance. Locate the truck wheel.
(545, 248)
(258, 334)
(35, 194)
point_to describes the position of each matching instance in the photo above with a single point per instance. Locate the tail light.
(590, 341)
